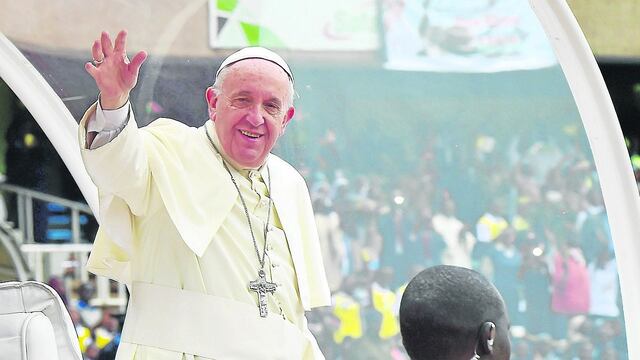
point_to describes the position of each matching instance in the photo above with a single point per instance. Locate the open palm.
(112, 71)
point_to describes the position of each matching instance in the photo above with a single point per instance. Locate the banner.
(327, 25)
(464, 36)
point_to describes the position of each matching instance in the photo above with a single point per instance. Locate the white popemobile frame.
(583, 76)
(49, 111)
(601, 124)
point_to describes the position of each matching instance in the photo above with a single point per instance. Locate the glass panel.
(429, 132)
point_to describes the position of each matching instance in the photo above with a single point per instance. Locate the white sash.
(209, 326)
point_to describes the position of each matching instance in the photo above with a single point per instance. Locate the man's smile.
(250, 134)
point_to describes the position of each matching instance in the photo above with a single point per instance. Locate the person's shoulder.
(167, 124)
(283, 167)
(169, 129)
(280, 163)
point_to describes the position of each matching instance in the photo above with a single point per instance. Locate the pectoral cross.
(261, 286)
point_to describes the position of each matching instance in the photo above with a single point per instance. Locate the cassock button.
(264, 202)
(274, 265)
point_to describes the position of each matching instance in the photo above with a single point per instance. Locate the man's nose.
(255, 115)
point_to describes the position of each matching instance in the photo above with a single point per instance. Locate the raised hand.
(112, 71)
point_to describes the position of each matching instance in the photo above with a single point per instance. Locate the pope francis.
(213, 235)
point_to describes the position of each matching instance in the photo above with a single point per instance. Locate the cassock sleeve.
(120, 171)
(119, 168)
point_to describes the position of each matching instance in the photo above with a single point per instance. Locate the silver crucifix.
(261, 286)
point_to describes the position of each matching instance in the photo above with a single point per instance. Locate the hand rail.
(35, 253)
(46, 197)
(25, 197)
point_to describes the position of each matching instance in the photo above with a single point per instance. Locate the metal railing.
(37, 252)
(25, 198)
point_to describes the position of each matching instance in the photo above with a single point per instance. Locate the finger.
(91, 69)
(107, 47)
(121, 42)
(96, 51)
(137, 61)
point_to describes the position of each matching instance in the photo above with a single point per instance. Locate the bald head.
(442, 310)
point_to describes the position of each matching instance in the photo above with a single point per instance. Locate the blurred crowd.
(525, 210)
(98, 327)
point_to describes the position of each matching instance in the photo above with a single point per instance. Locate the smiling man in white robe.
(213, 235)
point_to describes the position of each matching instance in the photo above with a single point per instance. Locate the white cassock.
(174, 230)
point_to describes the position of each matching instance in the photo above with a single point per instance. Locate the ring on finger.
(98, 62)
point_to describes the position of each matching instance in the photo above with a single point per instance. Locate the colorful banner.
(327, 25)
(464, 36)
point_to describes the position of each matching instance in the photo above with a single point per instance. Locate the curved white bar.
(49, 111)
(607, 144)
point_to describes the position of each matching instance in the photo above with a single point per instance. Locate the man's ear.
(211, 98)
(287, 117)
(486, 338)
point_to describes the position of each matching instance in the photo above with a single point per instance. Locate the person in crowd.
(580, 328)
(570, 284)
(85, 337)
(204, 223)
(345, 206)
(383, 299)
(459, 241)
(492, 223)
(348, 305)
(609, 333)
(604, 285)
(592, 225)
(521, 350)
(92, 352)
(453, 313)
(330, 235)
(584, 350)
(370, 346)
(489, 227)
(323, 323)
(528, 188)
(107, 331)
(534, 274)
(89, 313)
(610, 353)
(57, 284)
(544, 348)
(402, 246)
(507, 260)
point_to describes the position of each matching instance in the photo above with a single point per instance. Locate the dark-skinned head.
(447, 313)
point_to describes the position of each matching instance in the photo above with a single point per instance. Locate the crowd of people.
(98, 327)
(525, 211)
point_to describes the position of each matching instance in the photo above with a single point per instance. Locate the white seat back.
(34, 324)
